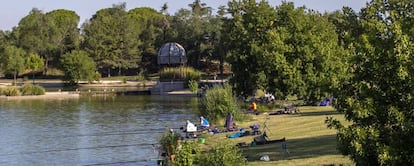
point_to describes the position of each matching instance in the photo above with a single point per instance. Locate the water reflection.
(89, 130)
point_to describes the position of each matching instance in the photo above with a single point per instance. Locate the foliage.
(283, 50)
(377, 100)
(34, 62)
(186, 155)
(169, 142)
(111, 39)
(29, 89)
(197, 30)
(13, 61)
(193, 85)
(217, 102)
(49, 35)
(77, 66)
(180, 73)
(11, 91)
(150, 23)
(64, 33)
(225, 154)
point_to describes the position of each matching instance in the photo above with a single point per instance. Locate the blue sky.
(11, 11)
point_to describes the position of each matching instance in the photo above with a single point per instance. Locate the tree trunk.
(33, 77)
(15, 77)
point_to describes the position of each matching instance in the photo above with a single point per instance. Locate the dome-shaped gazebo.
(171, 54)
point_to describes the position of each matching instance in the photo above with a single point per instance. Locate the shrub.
(169, 142)
(186, 153)
(224, 154)
(193, 85)
(11, 91)
(29, 89)
(217, 102)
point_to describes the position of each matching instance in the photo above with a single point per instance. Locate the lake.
(111, 130)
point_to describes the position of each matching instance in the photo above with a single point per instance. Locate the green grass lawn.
(308, 140)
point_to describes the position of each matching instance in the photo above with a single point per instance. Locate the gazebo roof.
(171, 53)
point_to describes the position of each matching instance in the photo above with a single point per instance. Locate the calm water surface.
(90, 130)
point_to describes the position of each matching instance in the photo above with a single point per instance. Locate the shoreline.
(47, 95)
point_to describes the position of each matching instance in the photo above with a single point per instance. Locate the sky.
(12, 11)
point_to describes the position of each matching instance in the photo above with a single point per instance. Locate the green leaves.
(112, 40)
(377, 99)
(77, 66)
(283, 50)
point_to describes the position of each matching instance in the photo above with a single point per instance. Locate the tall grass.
(180, 73)
(29, 89)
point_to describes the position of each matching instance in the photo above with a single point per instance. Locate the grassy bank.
(308, 140)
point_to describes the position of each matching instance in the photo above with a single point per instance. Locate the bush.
(169, 142)
(11, 91)
(217, 102)
(29, 89)
(193, 85)
(186, 154)
(224, 154)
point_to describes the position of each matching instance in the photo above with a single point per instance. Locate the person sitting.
(190, 129)
(204, 124)
(253, 108)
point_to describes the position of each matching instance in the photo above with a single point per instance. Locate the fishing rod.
(117, 163)
(123, 132)
(73, 149)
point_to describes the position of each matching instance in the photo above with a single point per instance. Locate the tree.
(77, 65)
(64, 32)
(149, 26)
(112, 40)
(189, 28)
(377, 99)
(286, 51)
(34, 62)
(33, 34)
(13, 61)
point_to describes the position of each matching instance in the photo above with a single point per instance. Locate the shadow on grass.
(296, 149)
(319, 113)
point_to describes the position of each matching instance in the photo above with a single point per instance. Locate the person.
(253, 107)
(204, 123)
(190, 129)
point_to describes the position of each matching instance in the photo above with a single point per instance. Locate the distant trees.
(112, 39)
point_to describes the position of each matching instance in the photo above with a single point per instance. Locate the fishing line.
(73, 149)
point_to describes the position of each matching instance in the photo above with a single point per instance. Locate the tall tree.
(378, 99)
(189, 28)
(13, 61)
(33, 34)
(64, 26)
(111, 40)
(286, 51)
(149, 26)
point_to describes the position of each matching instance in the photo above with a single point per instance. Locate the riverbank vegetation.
(25, 90)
